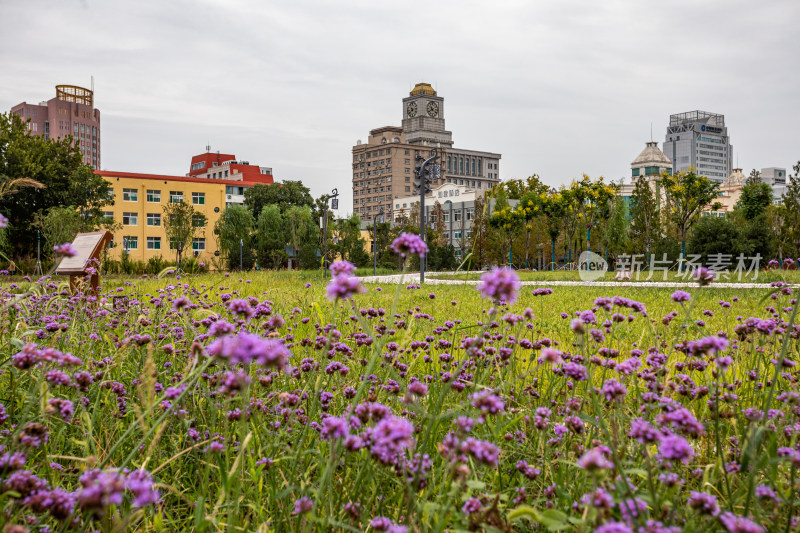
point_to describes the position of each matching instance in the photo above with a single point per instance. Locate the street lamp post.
(424, 177)
(375, 242)
(334, 205)
(241, 255)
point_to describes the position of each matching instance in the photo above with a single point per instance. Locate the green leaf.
(474, 484)
(524, 511)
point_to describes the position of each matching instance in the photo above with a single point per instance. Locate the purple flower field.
(261, 402)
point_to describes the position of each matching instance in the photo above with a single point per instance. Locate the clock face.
(433, 109)
(412, 109)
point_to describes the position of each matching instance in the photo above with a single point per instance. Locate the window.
(130, 243)
(457, 216)
(198, 221)
(198, 243)
(130, 195)
(130, 219)
(153, 219)
(173, 244)
(108, 214)
(199, 198)
(153, 196)
(175, 197)
(408, 189)
(446, 217)
(154, 243)
(651, 171)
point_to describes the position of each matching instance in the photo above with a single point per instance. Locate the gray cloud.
(560, 87)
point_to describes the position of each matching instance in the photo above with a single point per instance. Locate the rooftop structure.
(70, 113)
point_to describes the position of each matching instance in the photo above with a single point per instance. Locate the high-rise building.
(383, 167)
(699, 139)
(71, 112)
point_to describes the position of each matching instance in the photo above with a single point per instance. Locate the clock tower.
(423, 118)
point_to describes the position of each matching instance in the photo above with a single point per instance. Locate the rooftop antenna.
(92, 84)
(208, 147)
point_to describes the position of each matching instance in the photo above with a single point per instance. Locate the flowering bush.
(227, 404)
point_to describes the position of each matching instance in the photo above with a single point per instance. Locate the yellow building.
(138, 207)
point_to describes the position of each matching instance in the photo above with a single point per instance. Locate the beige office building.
(383, 167)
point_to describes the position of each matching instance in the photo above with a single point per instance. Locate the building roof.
(736, 179)
(163, 177)
(423, 88)
(651, 155)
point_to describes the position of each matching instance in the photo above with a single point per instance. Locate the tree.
(60, 224)
(351, 244)
(716, 235)
(645, 212)
(300, 229)
(615, 233)
(552, 208)
(570, 218)
(55, 164)
(755, 199)
(480, 230)
(181, 224)
(790, 214)
(234, 231)
(270, 237)
(285, 195)
(687, 195)
(592, 200)
(508, 220)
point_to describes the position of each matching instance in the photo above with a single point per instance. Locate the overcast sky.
(559, 87)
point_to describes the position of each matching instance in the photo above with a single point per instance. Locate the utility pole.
(424, 175)
(241, 248)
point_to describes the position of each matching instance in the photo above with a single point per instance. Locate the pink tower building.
(71, 112)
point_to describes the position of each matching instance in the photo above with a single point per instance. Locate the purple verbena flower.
(409, 243)
(500, 285)
(66, 249)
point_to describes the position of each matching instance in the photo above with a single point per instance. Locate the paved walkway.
(431, 279)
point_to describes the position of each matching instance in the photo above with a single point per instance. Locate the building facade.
(650, 164)
(458, 211)
(139, 199)
(383, 167)
(699, 140)
(71, 112)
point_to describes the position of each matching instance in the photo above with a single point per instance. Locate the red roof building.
(217, 166)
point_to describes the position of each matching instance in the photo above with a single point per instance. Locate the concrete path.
(430, 279)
